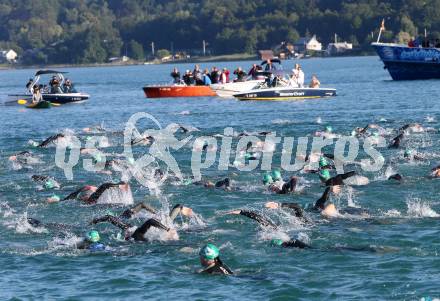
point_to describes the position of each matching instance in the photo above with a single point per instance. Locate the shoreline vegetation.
(195, 60)
(82, 33)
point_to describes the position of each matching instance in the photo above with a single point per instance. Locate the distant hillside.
(88, 31)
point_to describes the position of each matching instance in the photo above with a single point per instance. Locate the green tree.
(136, 51)
(161, 53)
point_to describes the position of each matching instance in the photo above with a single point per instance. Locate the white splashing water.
(418, 208)
(319, 120)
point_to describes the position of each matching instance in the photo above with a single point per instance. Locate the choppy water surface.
(395, 249)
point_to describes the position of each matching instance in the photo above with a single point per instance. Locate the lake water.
(391, 255)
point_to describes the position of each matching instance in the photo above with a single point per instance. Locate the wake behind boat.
(59, 90)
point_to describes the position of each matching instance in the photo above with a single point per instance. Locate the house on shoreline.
(8, 56)
(307, 44)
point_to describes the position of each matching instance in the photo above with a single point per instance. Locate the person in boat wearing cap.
(211, 262)
(188, 78)
(175, 74)
(55, 85)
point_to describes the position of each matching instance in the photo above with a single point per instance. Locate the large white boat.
(229, 89)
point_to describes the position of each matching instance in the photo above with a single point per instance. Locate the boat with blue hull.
(409, 63)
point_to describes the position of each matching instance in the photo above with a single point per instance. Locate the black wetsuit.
(258, 218)
(295, 243)
(396, 177)
(139, 233)
(219, 268)
(50, 139)
(287, 187)
(395, 143)
(339, 179)
(93, 198)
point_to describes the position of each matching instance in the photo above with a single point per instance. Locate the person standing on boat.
(315, 83)
(176, 76)
(55, 85)
(188, 78)
(68, 86)
(206, 78)
(240, 75)
(224, 76)
(253, 72)
(197, 73)
(29, 83)
(214, 75)
(36, 95)
(269, 66)
(298, 76)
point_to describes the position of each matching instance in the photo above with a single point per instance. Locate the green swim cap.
(407, 153)
(56, 197)
(267, 179)
(109, 212)
(88, 138)
(35, 144)
(187, 182)
(49, 184)
(276, 175)
(276, 242)
(209, 252)
(93, 236)
(98, 158)
(323, 162)
(247, 156)
(328, 129)
(324, 174)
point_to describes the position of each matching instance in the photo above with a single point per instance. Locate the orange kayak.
(178, 91)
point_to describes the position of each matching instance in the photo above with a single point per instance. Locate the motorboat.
(177, 90)
(229, 89)
(58, 95)
(283, 91)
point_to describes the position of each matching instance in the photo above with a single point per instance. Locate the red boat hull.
(178, 91)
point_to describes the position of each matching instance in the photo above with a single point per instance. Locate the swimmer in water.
(395, 143)
(276, 184)
(51, 139)
(330, 209)
(410, 156)
(90, 194)
(46, 182)
(225, 183)
(435, 172)
(211, 262)
(337, 180)
(92, 242)
(396, 177)
(138, 233)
